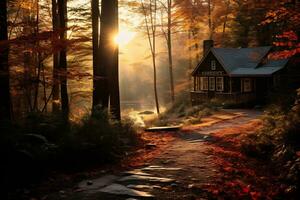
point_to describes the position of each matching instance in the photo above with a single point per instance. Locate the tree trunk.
(55, 84)
(151, 34)
(5, 103)
(114, 69)
(62, 13)
(153, 24)
(190, 59)
(225, 21)
(108, 85)
(210, 21)
(95, 29)
(105, 52)
(170, 50)
(155, 79)
(38, 59)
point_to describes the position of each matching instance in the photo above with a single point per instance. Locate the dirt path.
(183, 170)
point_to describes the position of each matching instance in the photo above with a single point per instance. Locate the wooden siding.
(199, 97)
(205, 67)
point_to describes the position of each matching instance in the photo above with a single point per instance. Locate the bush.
(99, 139)
(279, 141)
(41, 143)
(182, 111)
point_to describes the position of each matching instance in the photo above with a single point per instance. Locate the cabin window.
(247, 85)
(204, 83)
(220, 84)
(213, 65)
(198, 83)
(212, 83)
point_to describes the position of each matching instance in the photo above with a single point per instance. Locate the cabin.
(237, 75)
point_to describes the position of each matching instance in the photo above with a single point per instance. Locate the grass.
(182, 111)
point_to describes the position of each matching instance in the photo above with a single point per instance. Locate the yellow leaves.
(28, 5)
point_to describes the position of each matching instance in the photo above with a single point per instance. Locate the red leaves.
(239, 177)
(234, 189)
(289, 18)
(255, 195)
(289, 40)
(143, 155)
(289, 35)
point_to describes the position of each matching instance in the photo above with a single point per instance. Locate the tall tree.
(5, 103)
(55, 84)
(168, 36)
(150, 17)
(227, 3)
(62, 14)
(107, 71)
(210, 25)
(95, 35)
(114, 69)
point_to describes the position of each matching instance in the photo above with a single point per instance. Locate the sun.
(124, 37)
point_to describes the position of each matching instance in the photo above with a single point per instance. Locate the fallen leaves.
(158, 141)
(239, 177)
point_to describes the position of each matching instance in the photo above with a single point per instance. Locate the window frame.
(212, 80)
(213, 65)
(204, 83)
(220, 80)
(247, 85)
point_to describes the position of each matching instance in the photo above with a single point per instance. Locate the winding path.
(179, 172)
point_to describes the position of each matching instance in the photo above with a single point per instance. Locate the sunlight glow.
(124, 37)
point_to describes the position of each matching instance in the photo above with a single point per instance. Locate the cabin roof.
(246, 61)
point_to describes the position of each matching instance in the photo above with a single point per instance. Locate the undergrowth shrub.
(41, 143)
(183, 111)
(278, 142)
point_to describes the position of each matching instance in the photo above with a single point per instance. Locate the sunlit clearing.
(124, 37)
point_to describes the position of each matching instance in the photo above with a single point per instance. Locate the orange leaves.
(29, 5)
(285, 53)
(143, 155)
(281, 14)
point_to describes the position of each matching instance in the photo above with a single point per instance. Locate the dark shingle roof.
(233, 58)
(246, 61)
(265, 70)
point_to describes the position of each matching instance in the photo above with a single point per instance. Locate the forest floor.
(201, 161)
